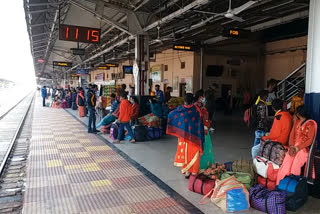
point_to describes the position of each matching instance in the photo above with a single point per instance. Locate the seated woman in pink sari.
(301, 137)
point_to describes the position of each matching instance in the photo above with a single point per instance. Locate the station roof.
(165, 21)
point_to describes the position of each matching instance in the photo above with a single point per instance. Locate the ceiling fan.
(231, 13)
(159, 39)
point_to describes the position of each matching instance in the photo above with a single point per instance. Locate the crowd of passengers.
(193, 121)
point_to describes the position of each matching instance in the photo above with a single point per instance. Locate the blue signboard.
(82, 71)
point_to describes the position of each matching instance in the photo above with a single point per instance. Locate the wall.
(128, 79)
(173, 59)
(242, 76)
(283, 57)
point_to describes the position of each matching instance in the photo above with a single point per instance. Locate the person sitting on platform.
(280, 131)
(112, 115)
(152, 119)
(135, 109)
(185, 123)
(297, 101)
(301, 137)
(124, 118)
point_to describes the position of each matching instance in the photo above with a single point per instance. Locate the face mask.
(203, 100)
(131, 101)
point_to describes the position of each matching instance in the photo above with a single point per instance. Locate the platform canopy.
(166, 22)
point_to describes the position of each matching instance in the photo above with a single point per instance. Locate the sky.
(15, 57)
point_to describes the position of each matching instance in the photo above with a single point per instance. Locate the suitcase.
(272, 151)
(264, 200)
(296, 189)
(201, 184)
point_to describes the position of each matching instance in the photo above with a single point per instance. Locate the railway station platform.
(71, 171)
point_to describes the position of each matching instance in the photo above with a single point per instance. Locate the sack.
(140, 133)
(243, 166)
(296, 189)
(244, 178)
(267, 201)
(265, 168)
(201, 184)
(270, 184)
(114, 131)
(231, 195)
(154, 133)
(272, 151)
(215, 171)
(228, 165)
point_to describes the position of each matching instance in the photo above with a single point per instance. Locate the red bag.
(201, 184)
(271, 185)
(272, 173)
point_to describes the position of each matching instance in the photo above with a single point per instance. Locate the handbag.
(265, 168)
(296, 189)
(242, 177)
(230, 195)
(272, 151)
(267, 201)
(201, 184)
(270, 184)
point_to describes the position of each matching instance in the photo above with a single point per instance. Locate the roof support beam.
(39, 41)
(102, 17)
(40, 34)
(40, 11)
(41, 24)
(42, 4)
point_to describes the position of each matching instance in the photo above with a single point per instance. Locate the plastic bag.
(237, 200)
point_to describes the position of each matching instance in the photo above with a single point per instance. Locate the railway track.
(15, 135)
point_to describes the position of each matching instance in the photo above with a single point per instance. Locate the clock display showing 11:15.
(79, 34)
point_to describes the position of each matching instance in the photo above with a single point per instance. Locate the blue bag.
(237, 200)
(296, 188)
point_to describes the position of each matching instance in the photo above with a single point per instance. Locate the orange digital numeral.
(77, 32)
(67, 33)
(88, 35)
(95, 35)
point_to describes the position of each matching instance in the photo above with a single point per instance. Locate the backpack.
(140, 133)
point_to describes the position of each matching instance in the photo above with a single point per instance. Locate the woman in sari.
(207, 158)
(185, 123)
(81, 103)
(301, 137)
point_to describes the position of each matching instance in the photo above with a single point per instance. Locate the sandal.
(132, 141)
(116, 141)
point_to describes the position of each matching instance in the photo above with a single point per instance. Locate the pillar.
(312, 96)
(141, 66)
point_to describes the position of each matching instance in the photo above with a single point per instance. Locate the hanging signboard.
(111, 65)
(62, 64)
(82, 71)
(180, 47)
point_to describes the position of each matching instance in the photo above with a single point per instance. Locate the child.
(125, 117)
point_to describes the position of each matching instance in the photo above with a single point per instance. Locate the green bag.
(245, 166)
(242, 177)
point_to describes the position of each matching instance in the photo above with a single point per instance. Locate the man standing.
(44, 95)
(91, 102)
(167, 94)
(159, 94)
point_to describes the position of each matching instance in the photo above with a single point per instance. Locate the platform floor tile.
(70, 171)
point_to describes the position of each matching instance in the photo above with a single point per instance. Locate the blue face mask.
(203, 100)
(131, 101)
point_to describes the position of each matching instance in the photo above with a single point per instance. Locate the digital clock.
(79, 34)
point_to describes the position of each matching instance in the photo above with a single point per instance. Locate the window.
(183, 65)
(165, 67)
